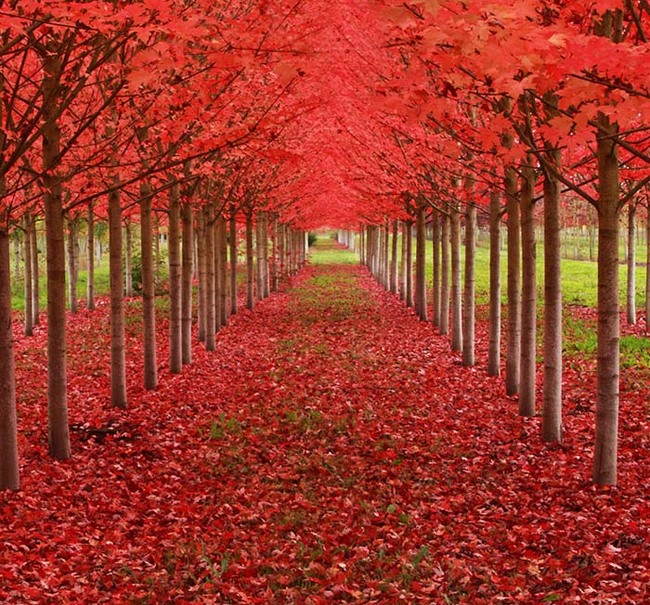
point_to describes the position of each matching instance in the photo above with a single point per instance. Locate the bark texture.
(420, 264)
(513, 349)
(57, 409)
(148, 290)
(175, 290)
(9, 470)
(552, 403)
(469, 290)
(606, 441)
(456, 284)
(528, 295)
(494, 349)
(90, 245)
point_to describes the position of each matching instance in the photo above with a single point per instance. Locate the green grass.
(579, 278)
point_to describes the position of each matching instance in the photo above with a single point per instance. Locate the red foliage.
(327, 452)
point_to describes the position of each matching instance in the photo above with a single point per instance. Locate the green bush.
(311, 238)
(160, 273)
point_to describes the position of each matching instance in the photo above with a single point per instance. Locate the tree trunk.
(631, 265)
(186, 280)
(219, 284)
(259, 263)
(222, 228)
(552, 407)
(59, 437)
(36, 287)
(528, 295)
(148, 289)
(210, 294)
(420, 264)
(17, 254)
(175, 291)
(647, 272)
(394, 262)
(156, 248)
(456, 281)
(606, 442)
(513, 351)
(9, 470)
(202, 264)
(72, 267)
(281, 235)
(128, 259)
(362, 246)
(436, 267)
(29, 282)
(118, 349)
(266, 289)
(469, 294)
(90, 284)
(232, 237)
(494, 351)
(408, 234)
(250, 264)
(386, 255)
(444, 276)
(274, 253)
(403, 264)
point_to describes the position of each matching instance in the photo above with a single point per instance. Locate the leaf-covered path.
(331, 450)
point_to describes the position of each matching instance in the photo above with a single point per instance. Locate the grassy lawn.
(579, 279)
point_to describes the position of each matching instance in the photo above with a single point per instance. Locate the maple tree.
(216, 119)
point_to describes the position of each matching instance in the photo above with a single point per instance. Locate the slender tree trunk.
(386, 255)
(436, 267)
(362, 246)
(456, 283)
(606, 442)
(528, 295)
(513, 352)
(250, 264)
(403, 264)
(175, 281)
(202, 263)
(394, 263)
(118, 349)
(148, 289)
(128, 259)
(29, 282)
(647, 272)
(222, 227)
(218, 269)
(444, 276)
(420, 264)
(552, 408)
(186, 280)
(72, 268)
(36, 288)
(266, 289)
(408, 234)
(210, 298)
(59, 437)
(469, 294)
(17, 254)
(494, 351)
(90, 285)
(281, 234)
(259, 262)
(232, 237)
(156, 248)
(9, 470)
(274, 253)
(631, 265)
